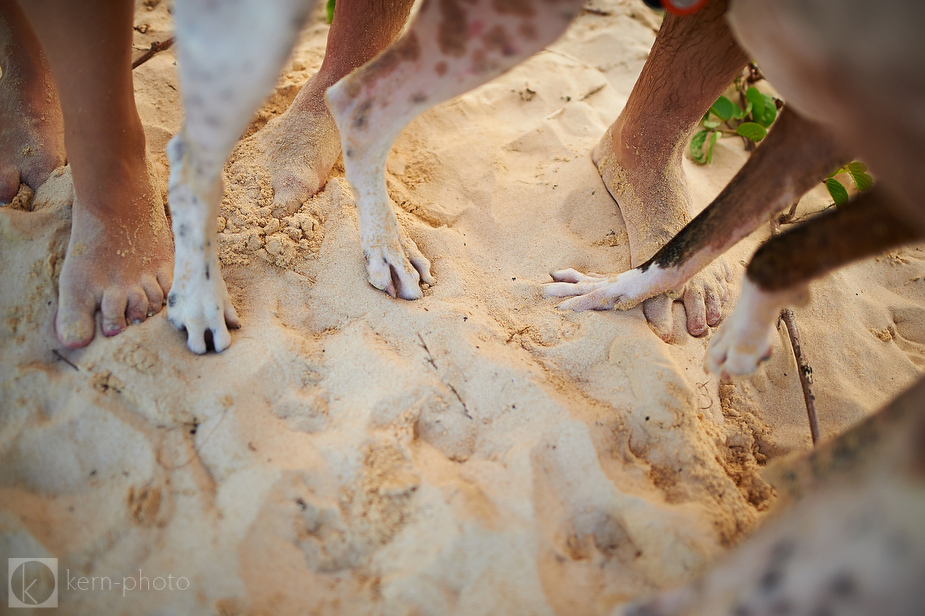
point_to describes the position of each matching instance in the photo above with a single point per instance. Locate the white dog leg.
(450, 48)
(230, 54)
(744, 340)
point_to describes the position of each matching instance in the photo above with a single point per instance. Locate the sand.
(473, 452)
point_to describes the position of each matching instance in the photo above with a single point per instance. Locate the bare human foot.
(655, 203)
(303, 144)
(120, 255)
(31, 126)
(693, 60)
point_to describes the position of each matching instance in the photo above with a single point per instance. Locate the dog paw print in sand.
(106, 382)
(139, 356)
(143, 503)
(304, 410)
(907, 331)
(413, 170)
(248, 228)
(338, 533)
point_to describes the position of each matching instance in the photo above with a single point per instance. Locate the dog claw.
(396, 269)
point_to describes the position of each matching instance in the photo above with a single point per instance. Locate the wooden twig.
(61, 357)
(155, 48)
(803, 367)
(806, 372)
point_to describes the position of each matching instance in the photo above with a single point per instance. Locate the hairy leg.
(229, 54)
(31, 126)
(693, 60)
(303, 144)
(119, 254)
(450, 48)
(779, 272)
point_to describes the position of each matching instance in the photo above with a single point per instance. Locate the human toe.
(695, 307)
(75, 323)
(714, 306)
(291, 191)
(137, 308)
(658, 313)
(154, 294)
(112, 310)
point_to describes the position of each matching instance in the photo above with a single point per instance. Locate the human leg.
(31, 126)
(693, 60)
(303, 144)
(120, 252)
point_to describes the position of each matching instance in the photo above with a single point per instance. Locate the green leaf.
(768, 114)
(697, 147)
(710, 141)
(702, 146)
(839, 193)
(752, 131)
(740, 114)
(723, 108)
(858, 172)
(710, 124)
(855, 166)
(754, 97)
(329, 8)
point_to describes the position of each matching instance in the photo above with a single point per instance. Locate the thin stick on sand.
(155, 48)
(805, 370)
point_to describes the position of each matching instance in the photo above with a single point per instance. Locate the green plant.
(728, 118)
(329, 7)
(858, 172)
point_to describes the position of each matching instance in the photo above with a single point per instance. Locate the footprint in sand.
(908, 332)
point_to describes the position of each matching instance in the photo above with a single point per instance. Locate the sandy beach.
(474, 452)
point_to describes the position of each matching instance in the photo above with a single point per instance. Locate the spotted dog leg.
(781, 269)
(851, 544)
(790, 161)
(450, 48)
(230, 54)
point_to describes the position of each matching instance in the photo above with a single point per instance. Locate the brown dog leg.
(781, 269)
(795, 155)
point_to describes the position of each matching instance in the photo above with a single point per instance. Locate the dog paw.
(198, 301)
(738, 348)
(201, 306)
(596, 291)
(744, 340)
(656, 288)
(396, 266)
